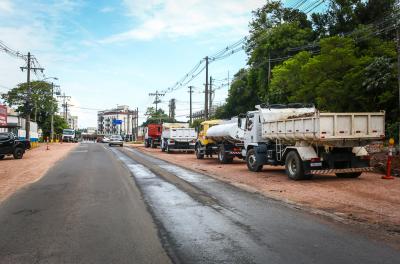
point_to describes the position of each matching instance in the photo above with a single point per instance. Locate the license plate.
(316, 164)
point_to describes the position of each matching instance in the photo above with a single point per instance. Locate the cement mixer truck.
(307, 141)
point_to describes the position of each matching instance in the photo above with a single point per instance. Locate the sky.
(115, 52)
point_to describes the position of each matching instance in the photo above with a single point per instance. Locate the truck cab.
(69, 135)
(152, 135)
(205, 146)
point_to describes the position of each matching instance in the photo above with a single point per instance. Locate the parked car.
(11, 145)
(116, 140)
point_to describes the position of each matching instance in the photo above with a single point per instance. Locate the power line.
(14, 53)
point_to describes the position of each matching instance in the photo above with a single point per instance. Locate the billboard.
(3, 115)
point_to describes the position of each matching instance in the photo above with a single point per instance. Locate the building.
(12, 121)
(72, 122)
(120, 120)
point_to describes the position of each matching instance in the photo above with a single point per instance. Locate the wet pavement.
(206, 221)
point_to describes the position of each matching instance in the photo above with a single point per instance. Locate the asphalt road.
(117, 205)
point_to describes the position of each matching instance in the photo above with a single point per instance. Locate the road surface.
(118, 205)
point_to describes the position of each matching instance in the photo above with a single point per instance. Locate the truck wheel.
(2, 157)
(251, 161)
(18, 153)
(349, 175)
(198, 153)
(294, 167)
(223, 157)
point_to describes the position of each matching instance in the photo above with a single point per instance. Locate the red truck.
(152, 135)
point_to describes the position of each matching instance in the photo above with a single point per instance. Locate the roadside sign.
(3, 115)
(117, 122)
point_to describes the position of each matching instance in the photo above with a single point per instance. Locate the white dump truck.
(177, 137)
(309, 142)
(69, 135)
(228, 137)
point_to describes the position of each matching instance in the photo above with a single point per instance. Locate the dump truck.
(307, 141)
(177, 137)
(229, 139)
(152, 135)
(69, 135)
(205, 146)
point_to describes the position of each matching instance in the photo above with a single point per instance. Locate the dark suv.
(11, 145)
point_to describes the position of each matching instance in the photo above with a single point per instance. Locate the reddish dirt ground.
(367, 200)
(15, 174)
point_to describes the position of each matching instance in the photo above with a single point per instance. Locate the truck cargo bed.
(327, 127)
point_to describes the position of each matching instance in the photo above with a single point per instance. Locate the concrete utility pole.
(210, 92)
(52, 113)
(206, 92)
(65, 99)
(28, 69)
(157, 100)
(171, 110)
(398, 67)
(190, 100)
(137, 123)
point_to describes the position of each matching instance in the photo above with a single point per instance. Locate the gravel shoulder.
(15, 174)
(368, 201)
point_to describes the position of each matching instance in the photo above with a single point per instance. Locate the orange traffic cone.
(388, 175)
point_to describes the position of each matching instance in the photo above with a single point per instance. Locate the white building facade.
(118, 121)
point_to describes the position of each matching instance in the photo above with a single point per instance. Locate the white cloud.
(107, 9)
(6, 6)
(176, 18)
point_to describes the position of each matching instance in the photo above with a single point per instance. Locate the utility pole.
(210, 93)
(28, 69)
(137, 123)
(398, 68)
(65, 99)
(190, 100)
(52, 113)
(206, 92)
(172, 108)
(157, 100)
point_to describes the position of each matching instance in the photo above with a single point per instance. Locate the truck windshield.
(68, 132)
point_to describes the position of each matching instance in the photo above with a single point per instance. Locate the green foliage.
(59, 125)
(158, 117)
(355, 72)
(42, 101)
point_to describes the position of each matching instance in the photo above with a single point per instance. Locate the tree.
(59, 125)
(158, 117)
(42, 100)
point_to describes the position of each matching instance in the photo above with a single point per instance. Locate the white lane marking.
(187, 175)
(79, 151)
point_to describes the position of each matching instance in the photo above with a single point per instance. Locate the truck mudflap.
(348, 170)
(261, 154)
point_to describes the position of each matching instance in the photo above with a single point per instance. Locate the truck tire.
(18, 153)
(251, 161)
(223, 157)
(198, 153)
(294, 167)
(2, 157)
(348, 175)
